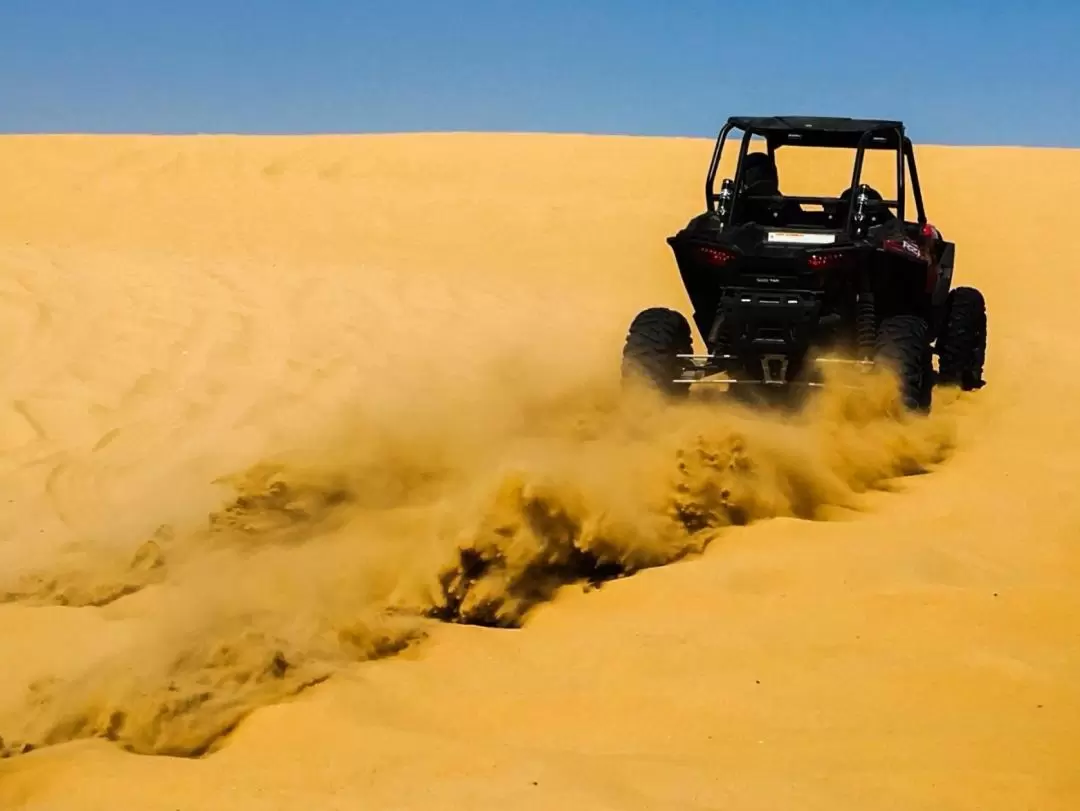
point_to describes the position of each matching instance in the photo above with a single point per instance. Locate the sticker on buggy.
(801, 238)
(911, 248)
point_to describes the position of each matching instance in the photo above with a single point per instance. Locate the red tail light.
(715, 256)
(824, 261)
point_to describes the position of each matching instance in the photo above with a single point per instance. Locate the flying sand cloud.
(350, 551)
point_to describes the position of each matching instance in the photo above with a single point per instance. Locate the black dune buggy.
(777, 286)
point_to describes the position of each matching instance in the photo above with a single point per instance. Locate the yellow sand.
(408, 345)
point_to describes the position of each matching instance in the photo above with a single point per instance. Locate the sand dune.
(321, 493)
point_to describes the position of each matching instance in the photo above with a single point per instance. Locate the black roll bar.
(904, 151)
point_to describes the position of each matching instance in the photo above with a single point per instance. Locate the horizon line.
(444, 132)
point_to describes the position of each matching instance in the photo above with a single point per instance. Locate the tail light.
(715, 256)
(825, 261)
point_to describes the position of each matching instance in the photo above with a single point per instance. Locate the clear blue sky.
(958, 71)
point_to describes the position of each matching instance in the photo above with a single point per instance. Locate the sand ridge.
(431, 321)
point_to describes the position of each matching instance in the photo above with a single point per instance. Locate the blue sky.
(955, 71)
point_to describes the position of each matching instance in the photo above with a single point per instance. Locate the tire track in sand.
(188, 380)
(159, 397)
(134, 404)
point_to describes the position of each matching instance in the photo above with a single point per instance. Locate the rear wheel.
(962, 343)
(656, 338)
(902, 346)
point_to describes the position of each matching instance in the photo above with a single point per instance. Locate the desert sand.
(259, 393)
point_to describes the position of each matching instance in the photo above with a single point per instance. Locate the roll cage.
(849, 133)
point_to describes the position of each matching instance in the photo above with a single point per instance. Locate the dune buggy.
(780, 284)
